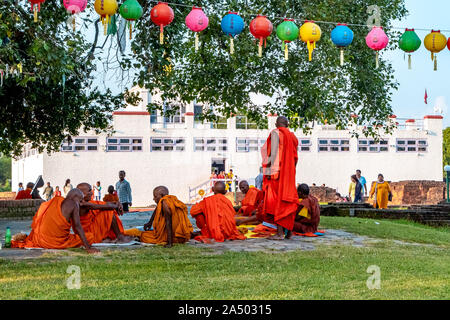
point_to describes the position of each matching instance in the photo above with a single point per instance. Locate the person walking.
(57, 192)
(98, 191)
(67, 187)
(362, 180)
(259, 179)
(355, 191)
(124, 191)
(20, 187)
(381, 193)
(48, 192)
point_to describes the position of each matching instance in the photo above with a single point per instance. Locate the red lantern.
(36, 7)
(261, 28)
(161, 15)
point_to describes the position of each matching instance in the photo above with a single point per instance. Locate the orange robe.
(251, 201)
(51, 230)
(24, 194)
(181, 226)
(110, 198)
(98, 222)
(280, 193)
(215, 218)
(311, 223)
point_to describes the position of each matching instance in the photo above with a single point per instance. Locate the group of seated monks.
(215, 216)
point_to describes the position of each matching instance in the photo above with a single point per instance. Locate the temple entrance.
(218, 164)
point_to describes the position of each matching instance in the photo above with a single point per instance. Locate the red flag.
(426, 97)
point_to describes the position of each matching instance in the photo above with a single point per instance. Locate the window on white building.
(123, 144)
(210, 144)
(80, 144)
(370, 145)
(249, 144)
(304, 144)
(334, 145)
(412, 145)
(167, 144)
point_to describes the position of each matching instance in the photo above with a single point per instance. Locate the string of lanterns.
(260, 27)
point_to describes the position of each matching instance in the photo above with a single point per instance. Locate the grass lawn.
(185, 272)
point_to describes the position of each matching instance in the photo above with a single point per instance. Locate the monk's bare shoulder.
(67, 208)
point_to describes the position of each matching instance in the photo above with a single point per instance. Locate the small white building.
(180, 153)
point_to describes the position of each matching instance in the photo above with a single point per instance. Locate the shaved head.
(159, 193)
(75, 194)
(282, 122)
(219, 187)
(243, 186)
(86, 189)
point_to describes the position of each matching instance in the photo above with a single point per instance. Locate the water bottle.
(8, 238)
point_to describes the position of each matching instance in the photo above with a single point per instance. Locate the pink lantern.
(73, 7)
(377, 40)
(197, 21)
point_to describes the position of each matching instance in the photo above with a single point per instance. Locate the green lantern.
(409, 42)
(131, 10)
(287, 31)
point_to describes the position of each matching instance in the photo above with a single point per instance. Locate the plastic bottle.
(8, 238)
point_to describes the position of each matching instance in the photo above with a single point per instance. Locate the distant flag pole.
(426, 97)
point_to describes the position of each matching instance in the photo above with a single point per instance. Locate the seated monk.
(100, 218)
(252, 199)
(169, 220)
(25, 194)
(308, 213)
(111, 196)
(215, 217)
(51, 225)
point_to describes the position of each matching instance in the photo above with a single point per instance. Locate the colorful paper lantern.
(287, 31)
(261, 28)
(377, 40)
(161, 15)
(435, 42)
(310, 33)
(106, 9)
(131, 10)
(342, 37)
(36, 7)
(409, 42)
(197, 21)
(232, 24)
(74, 7)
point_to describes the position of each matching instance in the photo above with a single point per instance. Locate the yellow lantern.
(106, 9)
(435, 42)
(310, 33)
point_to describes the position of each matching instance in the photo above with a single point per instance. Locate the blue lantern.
(232, 25)
(342, 36)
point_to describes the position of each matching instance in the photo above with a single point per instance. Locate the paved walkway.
(331, 237)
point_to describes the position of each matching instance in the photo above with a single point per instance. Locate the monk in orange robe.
(51, 225)
(253, 197)
(100, 218)
(169, 220)
(280, 158)
(308, 212)
(215, 217)
(25, 194)
(111, 196)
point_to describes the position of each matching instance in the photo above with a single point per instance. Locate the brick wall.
(417, 192)
(324, 194)
(7, 195)
(17, 209)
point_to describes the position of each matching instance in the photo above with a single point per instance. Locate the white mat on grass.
(112, 244)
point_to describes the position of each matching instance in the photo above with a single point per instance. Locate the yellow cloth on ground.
(181, 226)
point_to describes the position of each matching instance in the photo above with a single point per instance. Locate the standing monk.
(280, 158)
(253, 197)
(100, 218)
(215, 217)
(51, 225)
(170, 221)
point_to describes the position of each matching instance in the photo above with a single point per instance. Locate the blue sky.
(408, 101)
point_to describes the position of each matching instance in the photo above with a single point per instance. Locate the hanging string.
(302, 19)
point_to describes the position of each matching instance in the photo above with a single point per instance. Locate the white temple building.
(180, 153)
